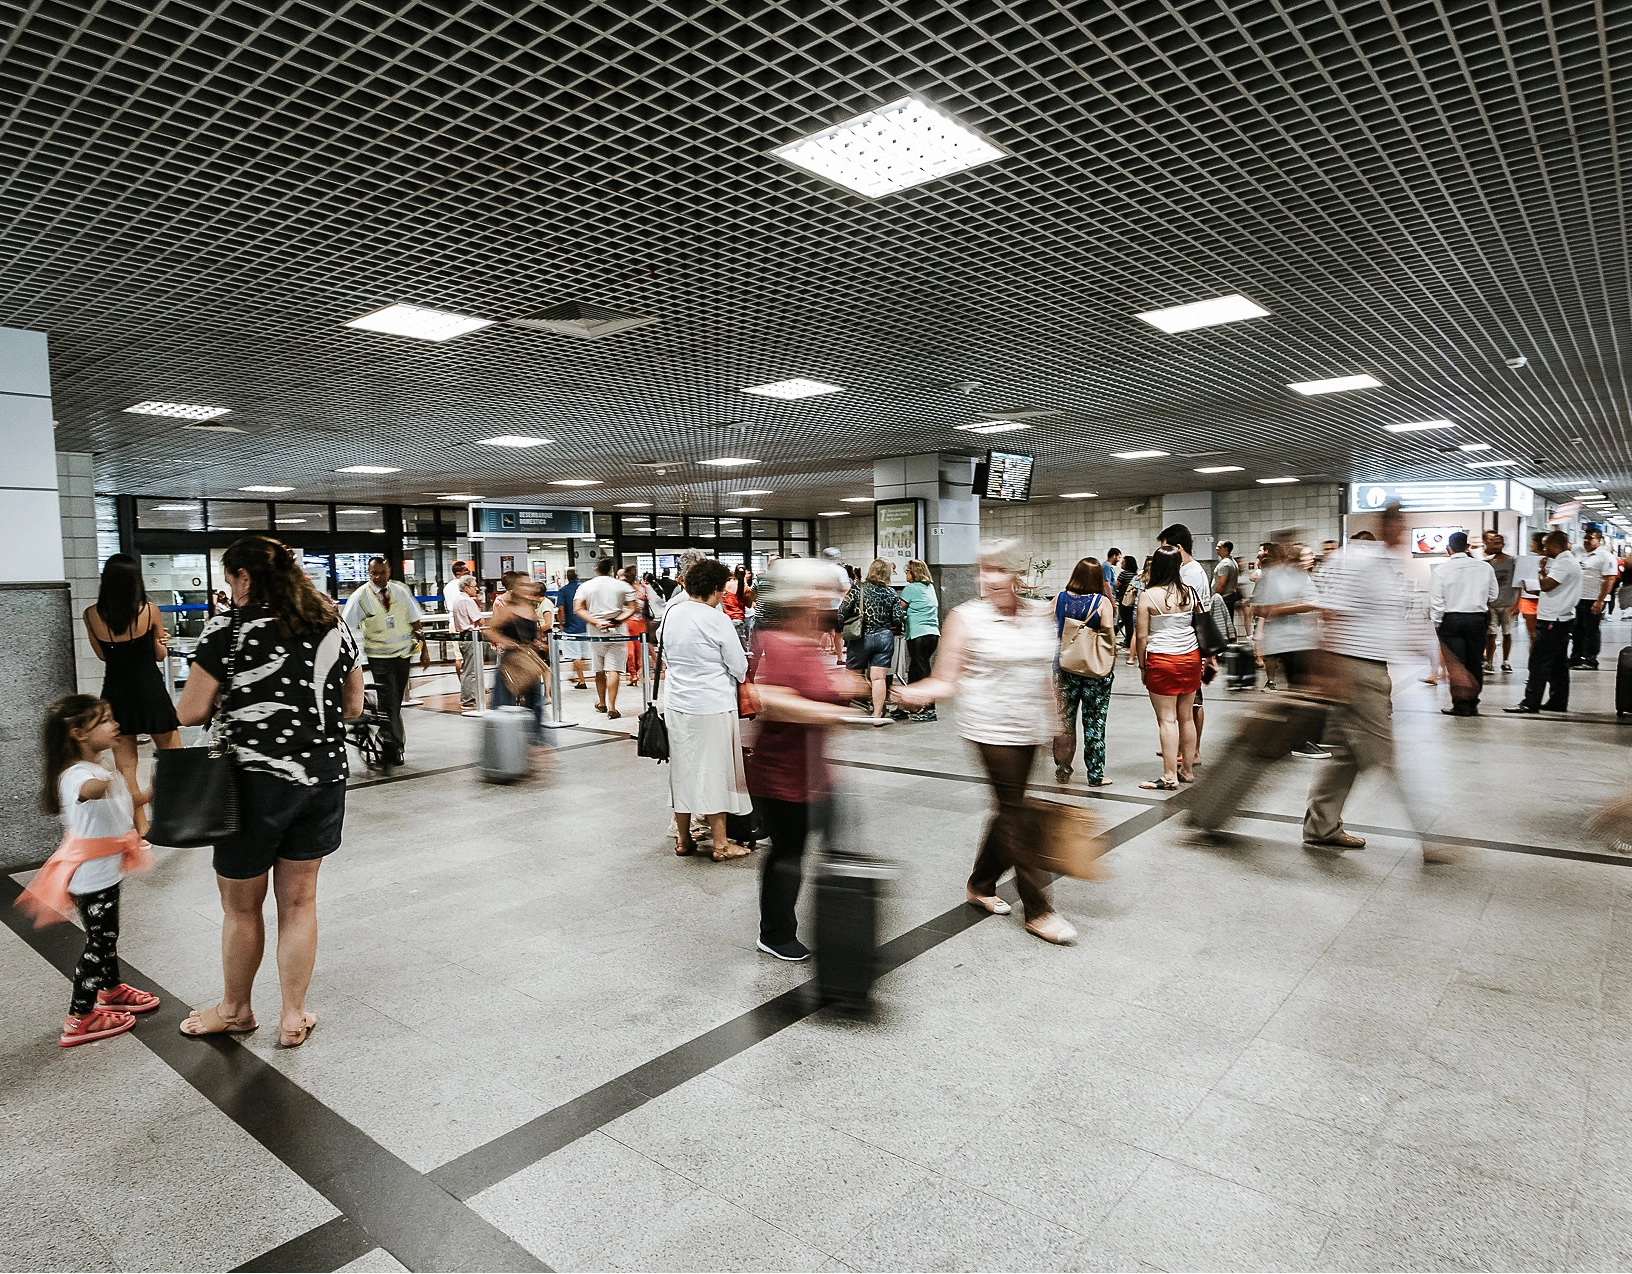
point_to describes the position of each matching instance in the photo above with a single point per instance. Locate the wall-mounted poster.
(898, 534)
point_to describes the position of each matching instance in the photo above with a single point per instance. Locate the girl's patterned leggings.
(98, 967)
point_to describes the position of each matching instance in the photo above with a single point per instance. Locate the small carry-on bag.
(1241, 666)
(849, 888)
(1623, 682)
(507, 735)
(195, 790)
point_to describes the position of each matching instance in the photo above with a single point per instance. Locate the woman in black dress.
(128, 635)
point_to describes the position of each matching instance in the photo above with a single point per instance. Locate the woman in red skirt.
(1165, 647)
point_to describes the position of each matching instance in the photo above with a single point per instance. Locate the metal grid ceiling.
(194, 198)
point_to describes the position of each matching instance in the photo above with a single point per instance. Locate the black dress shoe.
(1552, 707)
(1524, 708)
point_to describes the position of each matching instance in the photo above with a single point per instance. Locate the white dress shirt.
(1461, 585)
(1558, 604)
(466, 613)
(703, 659)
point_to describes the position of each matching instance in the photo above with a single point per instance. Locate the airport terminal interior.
(1139, 496)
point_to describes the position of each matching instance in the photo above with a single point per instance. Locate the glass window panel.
(731, 528)
(635, 523)
(107, 529)
(170, 515)
(419, 564)
(178, 582)
(300, 519)
(766, 528)
(700, 528)
(763, 549)
(238, 515)
(796, 531)
(419, 521)
(350, 573)
(733, 560)
(358, 517)
(670, 526)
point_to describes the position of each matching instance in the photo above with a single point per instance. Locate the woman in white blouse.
(702, 663)
(997, 658)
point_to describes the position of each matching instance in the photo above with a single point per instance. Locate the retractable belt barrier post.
(555, 721)
(479, 656)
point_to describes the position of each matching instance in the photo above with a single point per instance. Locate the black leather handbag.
(195, 790)
(652, 733)
(1210, 638)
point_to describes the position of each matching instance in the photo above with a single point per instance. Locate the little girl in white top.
(100, 846)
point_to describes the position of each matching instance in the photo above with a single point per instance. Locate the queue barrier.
(554, 721)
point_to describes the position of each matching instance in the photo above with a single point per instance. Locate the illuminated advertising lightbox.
(1428, 497)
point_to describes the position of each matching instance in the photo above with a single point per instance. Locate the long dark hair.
(122, 597)
(58, 747)
(1164, 573)
(277, 582)
(1089, 577)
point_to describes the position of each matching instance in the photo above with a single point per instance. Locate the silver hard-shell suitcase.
(506, 745)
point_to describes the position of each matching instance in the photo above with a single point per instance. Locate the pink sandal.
(125, 998)
(98, 1024)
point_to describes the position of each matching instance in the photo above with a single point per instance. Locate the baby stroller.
(367, 732)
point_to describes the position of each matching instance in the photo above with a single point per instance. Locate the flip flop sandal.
(731, 850)
(200, 1018)
(125, 998)
(683, 851)
(1160, 785)
(305, 1033)
(98, 1024)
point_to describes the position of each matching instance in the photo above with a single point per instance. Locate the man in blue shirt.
(572, 625)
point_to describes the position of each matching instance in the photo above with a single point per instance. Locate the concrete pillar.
(1195, 510)
(951, 516)
(37, 657)
(76, 493)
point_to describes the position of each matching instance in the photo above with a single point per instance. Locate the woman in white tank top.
(997, 658)
(1164, 643)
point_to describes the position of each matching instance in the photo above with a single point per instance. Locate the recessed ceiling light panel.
(1419, 426)
(513, 440)
(857, 499)
(1334, 384)
(1079, 495)
(1222, 468)
(1149, 454)
(635, 504)
(836, 513)
(994, 427)
(465, 497)
(1473, 446)
(575, 482)
(894, 147)
(1275, 482)
(746, 508)
(741, 494)
(728, 462)
(273, 490)
(1210, 313)
(368, 468)
(1491, 464)
(181, 411)
(419, 322)
(798, 387)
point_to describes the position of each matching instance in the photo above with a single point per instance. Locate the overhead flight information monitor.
(1007, 476)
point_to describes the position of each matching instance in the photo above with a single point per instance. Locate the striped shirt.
(1364, 597)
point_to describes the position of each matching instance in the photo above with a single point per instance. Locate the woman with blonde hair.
(1164, 644)
(881, 612)
(997, 658)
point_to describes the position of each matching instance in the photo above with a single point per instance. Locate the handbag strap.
(219, 741)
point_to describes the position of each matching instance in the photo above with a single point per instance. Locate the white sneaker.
(1312, 754)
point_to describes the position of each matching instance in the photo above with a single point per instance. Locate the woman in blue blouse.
(1084, 599)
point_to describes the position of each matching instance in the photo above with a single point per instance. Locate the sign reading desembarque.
(529, 519)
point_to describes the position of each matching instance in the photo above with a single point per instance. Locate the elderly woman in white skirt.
(703, 663)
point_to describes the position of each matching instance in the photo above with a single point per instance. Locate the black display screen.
(1006, 475)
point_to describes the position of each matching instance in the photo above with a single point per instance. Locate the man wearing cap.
(1459, 600)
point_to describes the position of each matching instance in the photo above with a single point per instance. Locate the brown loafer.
(1343, 840)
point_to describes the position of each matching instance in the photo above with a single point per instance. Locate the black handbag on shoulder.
(195, 790)
(1210, 638)
(652, 732)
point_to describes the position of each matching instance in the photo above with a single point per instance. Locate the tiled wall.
(1062, 531)
(76, 498)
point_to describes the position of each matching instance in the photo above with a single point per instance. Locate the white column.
(30, 526)
(951, 515)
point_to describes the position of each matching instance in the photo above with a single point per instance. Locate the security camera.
(1517, 361)
(967, 386)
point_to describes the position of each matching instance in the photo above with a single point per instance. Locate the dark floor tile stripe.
(1088, 794)
(1470, 842)
(407, 776)
(330, 1246)
(392, 1204)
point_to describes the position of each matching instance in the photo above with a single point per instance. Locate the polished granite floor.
(544, 1041)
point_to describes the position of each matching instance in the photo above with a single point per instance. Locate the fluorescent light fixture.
(1334, 384)
(1220, 309)
(368, 468)
(181, 411)
(217, 429)
(575, 482)
(419, 322)
(513, 440)
(840, 513)
(635, 504)
(175, 508)
(1137, 455)
(371, 511)
(994, 427)
(1491, 464)
(798, 387)
(1473, 446)
(229, 528)
(288, 521)
(267, 489)
(1588, 491)
(376, 530)
(893, 147)
(728, 462)
(747, 508)
(1079, 495)
(1419, 426)
(857, 499)
(742, 494)
(1223, 468)
(1274, 482)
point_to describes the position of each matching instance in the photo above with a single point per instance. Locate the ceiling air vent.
(586, 322)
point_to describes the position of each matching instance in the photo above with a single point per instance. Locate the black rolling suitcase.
(1240, 666)
(1623, 682)
(849, 889)
(1268, 735)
